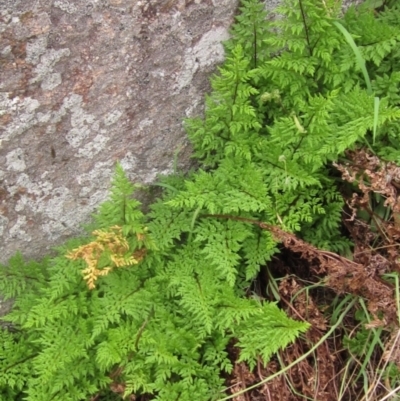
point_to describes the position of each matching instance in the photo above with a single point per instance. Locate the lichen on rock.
(84, 84)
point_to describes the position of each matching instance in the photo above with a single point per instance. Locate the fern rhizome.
(148, 305)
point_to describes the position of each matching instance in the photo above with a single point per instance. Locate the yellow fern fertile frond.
(90, 275)
(115, 244)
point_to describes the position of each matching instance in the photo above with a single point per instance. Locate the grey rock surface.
(87, 83)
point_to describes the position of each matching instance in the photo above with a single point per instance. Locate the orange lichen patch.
(36, 24)
(83, 83)
(5, 119)
(111, 243)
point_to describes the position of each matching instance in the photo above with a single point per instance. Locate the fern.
(168, 316)
(167, 289)
(273, 330)
(231, 120)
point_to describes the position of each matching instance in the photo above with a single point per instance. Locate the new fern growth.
(148, 304)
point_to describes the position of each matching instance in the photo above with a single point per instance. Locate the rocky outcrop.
(87, 83)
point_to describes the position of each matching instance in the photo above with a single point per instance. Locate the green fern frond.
(265, 335)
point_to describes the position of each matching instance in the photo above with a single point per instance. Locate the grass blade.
(356, 50)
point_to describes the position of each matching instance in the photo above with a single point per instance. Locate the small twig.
(382, 371)
(142, 327)
(393, 392)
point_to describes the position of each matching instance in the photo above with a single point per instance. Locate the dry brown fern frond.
(110, 242)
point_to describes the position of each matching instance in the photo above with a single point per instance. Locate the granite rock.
(87, 83)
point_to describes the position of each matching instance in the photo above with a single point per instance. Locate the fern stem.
(19, 362)
(301, 358)
(141, 329)
(303, 136)
(255, 44)
(124, 210)
(25, 277)
(305, 27)
(234, 95)
(161, 184)
(192, 223)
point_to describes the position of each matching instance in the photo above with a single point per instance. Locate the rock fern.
(148, 303)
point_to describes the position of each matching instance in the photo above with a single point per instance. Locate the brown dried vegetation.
(312, 282)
